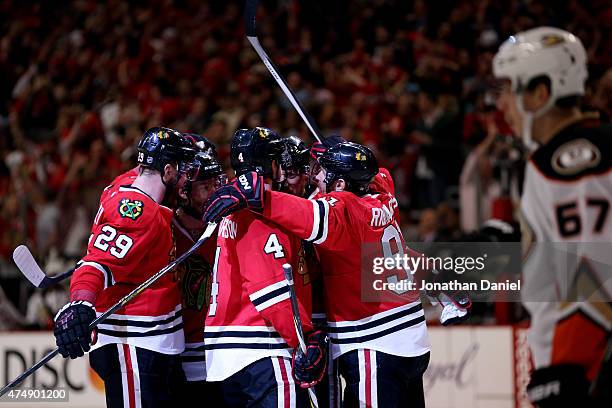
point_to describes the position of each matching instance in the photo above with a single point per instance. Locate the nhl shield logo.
(130, 209)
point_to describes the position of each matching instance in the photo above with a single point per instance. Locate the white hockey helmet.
(543, 51)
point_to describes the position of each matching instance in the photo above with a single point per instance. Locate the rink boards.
(479, 367)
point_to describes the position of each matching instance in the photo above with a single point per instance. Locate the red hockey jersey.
(124, 179)
(131, 240)
(339, 224)
(249, 316)
(197, 266)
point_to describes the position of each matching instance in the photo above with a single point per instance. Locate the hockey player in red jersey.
(249, 330)
(566, 201)
(455, 305)
(194, 275)
(381, 347)
(136, 353)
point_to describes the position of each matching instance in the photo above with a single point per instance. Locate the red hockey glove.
(309, 367)
(246, 191)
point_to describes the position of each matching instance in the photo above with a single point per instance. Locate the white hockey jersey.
(567, 230)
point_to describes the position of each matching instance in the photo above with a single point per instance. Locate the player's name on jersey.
(482, 285)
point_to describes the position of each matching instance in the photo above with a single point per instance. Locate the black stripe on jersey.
(193, 359)
(321, 221)
(198, 348)
(245, 334)
(258, 346)
(108, 275)
(115, 333)
(139, 323)
(268, 296)
(361, 339)
(377, 322)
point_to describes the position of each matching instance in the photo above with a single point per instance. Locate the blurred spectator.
(10, 318)
(487, 176)
(428, 226)
(436, 133)
(602, 98)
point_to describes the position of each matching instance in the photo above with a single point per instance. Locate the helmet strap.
(528, 117)
(170, 185)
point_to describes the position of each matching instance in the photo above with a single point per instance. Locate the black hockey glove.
(72, 333)
(246, 191)
(309, 368)
(563, 385)
(455, 306)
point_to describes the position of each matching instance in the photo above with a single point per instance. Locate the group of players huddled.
(220, 330)
(221, 327)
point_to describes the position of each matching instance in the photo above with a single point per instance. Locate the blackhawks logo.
(130, 209)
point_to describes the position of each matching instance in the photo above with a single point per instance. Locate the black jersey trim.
(382, 333)
(377, 322)
(150, 333)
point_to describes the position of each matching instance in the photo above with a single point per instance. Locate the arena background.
(81, 80)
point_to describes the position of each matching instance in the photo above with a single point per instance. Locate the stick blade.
(28, 266)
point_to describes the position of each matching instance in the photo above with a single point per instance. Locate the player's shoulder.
(133, 206)
(126, 178)
(337, 199)
(577, 151)
(253, 224)
(383, 182)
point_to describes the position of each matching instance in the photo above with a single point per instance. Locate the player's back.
(363, 228)
(247, 280)
(124, 179)
(131, 240)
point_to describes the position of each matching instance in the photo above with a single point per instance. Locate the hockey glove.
(72, 333)
(246, 191)
(309, 368)
(455, 306)
(563, 385)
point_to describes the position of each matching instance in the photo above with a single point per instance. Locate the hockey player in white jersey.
(565, 210)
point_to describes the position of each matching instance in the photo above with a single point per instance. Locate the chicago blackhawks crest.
(130, 209)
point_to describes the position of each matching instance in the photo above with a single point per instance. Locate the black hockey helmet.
(253, 150)
(160, 146)
(293, 154)
(202, 143)
(352, 162)
(318, 148)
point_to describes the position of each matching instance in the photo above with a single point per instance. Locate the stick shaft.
(121, 303)
(29, 371)
(285, 88)
(297, 321)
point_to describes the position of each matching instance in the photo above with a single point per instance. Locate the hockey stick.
(124, 301)
(250, 11)
(28, 266)
(297, 322)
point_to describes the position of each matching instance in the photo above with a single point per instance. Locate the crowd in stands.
(81, 80)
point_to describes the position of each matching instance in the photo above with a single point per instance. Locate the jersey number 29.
(121, 244)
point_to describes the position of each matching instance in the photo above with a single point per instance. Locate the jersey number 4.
(272, 246)
(120, 244)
